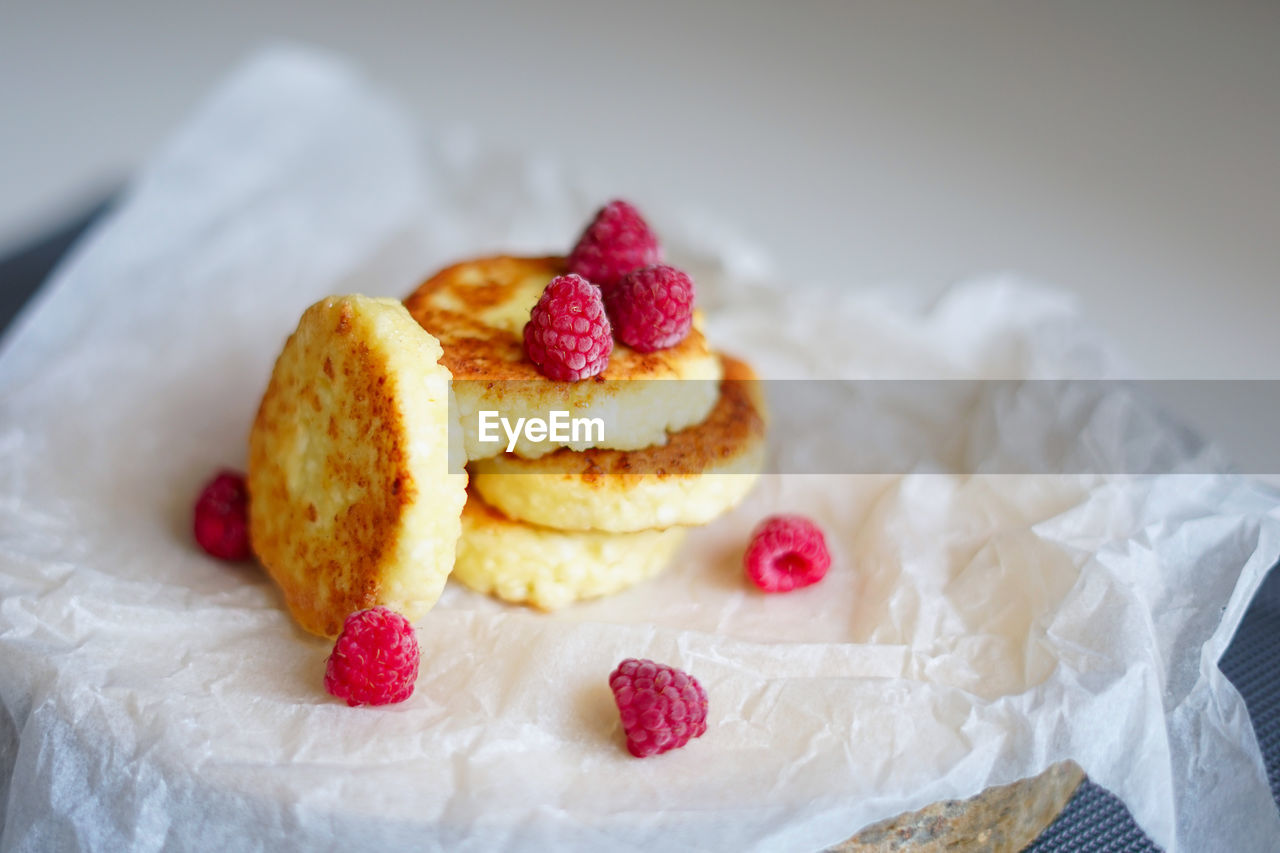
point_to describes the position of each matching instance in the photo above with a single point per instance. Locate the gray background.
(1128, 152)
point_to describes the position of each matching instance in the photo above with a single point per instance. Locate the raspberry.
(786, 553)
(568, 335)
(616, 242)
(651, 308)
(375, 660)
(221, 517)
(661, 707)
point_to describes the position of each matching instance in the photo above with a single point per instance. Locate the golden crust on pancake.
(526, 564)
(699, 474)
(477, 309)
(352, 499)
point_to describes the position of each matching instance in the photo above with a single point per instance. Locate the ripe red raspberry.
(375, 660)
(661, 708)
(786, 553)
(222, 517)
(651, 308)
(616, 242)
(568, 335)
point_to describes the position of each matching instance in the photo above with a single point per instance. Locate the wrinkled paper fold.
(973, 630)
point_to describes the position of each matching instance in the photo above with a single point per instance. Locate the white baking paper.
(972, 631)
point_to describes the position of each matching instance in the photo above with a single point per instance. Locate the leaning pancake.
(478, 310)
(700, 473)
(526, 564)
(353, 502)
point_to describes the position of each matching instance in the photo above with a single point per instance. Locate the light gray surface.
(1128, 152)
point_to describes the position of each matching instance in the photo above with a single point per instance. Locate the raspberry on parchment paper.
(221, 520)
(661, 707)
(375, 660)
(786, 552)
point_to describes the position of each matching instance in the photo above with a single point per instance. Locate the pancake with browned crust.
(700, 473)
(527, 564)
(353, 502)
(478, 309)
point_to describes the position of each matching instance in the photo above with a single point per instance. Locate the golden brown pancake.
(353, 502)
(527, 564)
(478, 309)
(700, 473)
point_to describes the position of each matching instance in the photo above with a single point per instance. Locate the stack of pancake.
(553, 522)
(358, 496)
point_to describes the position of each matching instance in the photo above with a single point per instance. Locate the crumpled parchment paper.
(973, 630)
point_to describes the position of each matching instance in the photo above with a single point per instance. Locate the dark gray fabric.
(1094, 820)
(25, 269)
